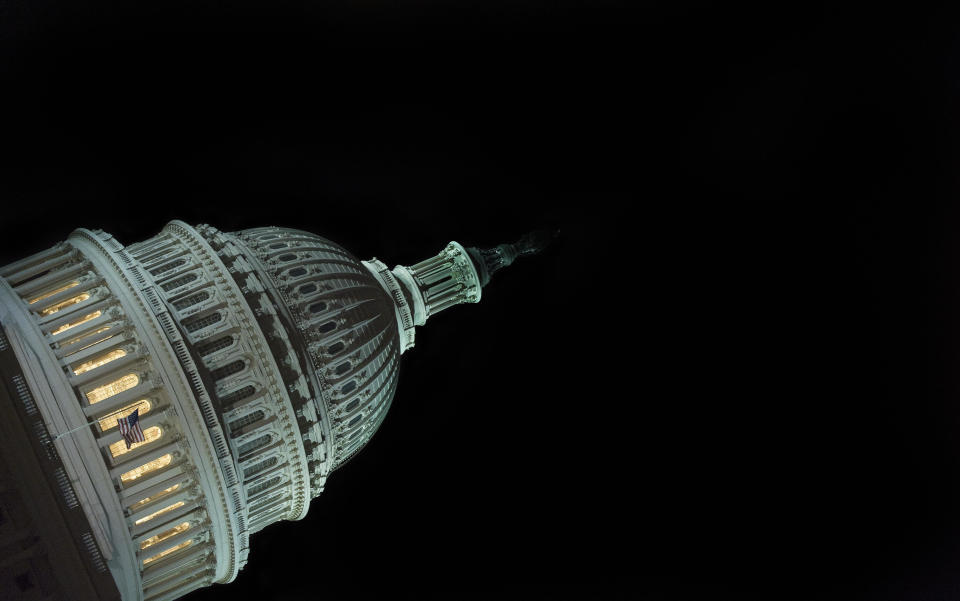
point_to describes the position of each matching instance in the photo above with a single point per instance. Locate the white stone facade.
(259, 361)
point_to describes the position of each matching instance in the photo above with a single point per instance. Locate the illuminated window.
(98, 361)
(182, 545)
(159, 538)
(110, 421)
(88, 336)
(120, 447)
(154, 497)
(180, 281)
(64, 304)
(74, 324)
(111, 388)
(52, 292)
(146, 468)
(166, 509)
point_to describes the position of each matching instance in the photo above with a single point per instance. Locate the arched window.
(244, 420)
(160, 512)
(297, 272)
(52, 292)
(142, 502)
(73, 300)
(112, 388)
(159, 538)
(180, 281)
(76, 322)
(228, 370)
(191, 300)
(110, 420)
(168, 267)
(98, 361)
(252, 445)
(169, 551)
(327, 327)
(256, 468)
(349, 387)
(354, 421)
(353, 405)
(150, 434)
(278, 245)
(258, 488)
(192, 324)
(335, 348)
(355, 434)
(287, 257)
(308, 288)
(343, 368)
(237, 395)
(219, 344)
(146, 468)
(318, 307)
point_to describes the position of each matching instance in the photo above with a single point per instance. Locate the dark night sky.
(734, 374)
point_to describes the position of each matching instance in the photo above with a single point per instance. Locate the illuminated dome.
(257, 362)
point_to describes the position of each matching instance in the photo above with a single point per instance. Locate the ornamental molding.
(183, 395)
(244, 315)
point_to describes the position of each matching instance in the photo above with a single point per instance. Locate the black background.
(733, 375)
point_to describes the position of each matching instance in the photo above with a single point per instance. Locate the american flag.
(130, 428)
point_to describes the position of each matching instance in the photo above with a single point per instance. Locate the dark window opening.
(227, 370)
(327, 327)
(317, 307)
(288, 257)
(24, 581)
(353, 405)
(349, 387)
(354, 421)
(237, 395)
(277, 245)
(343, 368)
(335, 348)
(192, 324)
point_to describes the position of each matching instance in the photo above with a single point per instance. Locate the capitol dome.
(254, 364)
(337, 319)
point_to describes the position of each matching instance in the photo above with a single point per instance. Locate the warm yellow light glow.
(157, 538)
(64, 304)
(74, 324)
(166, 509)
(111, 388)
(120, 447)
(98, 361)
(110, 421)
(52, 292)
(146, 468)
(154, 497)
(185, 543)
(87, 336)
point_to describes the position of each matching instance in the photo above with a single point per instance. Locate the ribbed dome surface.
(346, 323)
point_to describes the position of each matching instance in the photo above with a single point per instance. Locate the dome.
(341, 322)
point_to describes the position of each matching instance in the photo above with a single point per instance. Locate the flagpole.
(81, 427)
